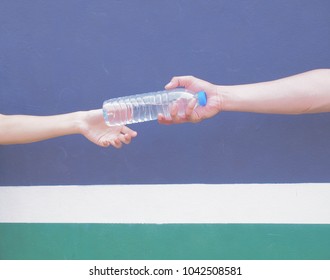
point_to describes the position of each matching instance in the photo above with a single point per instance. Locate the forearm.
(308, 92)
(19, 129)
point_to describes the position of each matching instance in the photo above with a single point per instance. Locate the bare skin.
(304, 93)
(21, 129)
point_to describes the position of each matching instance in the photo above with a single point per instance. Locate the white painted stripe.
(243, 203)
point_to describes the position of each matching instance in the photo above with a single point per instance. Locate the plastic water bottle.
(146, 107)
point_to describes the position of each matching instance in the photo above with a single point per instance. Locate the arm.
(20, 129)
(308, 92)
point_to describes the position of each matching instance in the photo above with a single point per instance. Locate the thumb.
(181, 81)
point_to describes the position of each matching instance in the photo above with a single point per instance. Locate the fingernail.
(169, 84)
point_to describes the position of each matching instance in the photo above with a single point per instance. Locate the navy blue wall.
(62, 56)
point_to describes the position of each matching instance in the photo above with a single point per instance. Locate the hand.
(94, 129)
(212, 107)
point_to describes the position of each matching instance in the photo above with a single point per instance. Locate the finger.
(174, 109)
(174, 113)
(125, 138)
(116, 143)
(105, 144)
(163, 120)
(160, 117)
(128, 131)
(190, 107)
(172, 84)
(181, 81)
(128, 139)
(166, 122)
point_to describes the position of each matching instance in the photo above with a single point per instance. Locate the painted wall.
(62, 56)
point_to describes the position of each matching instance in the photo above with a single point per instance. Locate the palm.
(99, 133)
(208, 111)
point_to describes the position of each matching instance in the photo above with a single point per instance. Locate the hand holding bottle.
(193, 114)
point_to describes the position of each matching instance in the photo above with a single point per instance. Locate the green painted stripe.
(168, 241)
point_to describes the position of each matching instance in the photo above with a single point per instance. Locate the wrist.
(85, 119)
(223, 96)
(79, 121)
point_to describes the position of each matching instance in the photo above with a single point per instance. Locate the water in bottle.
(146, 107)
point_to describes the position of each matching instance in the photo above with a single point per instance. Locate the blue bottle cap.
(201, 95)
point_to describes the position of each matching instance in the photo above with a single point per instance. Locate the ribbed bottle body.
(144, 107)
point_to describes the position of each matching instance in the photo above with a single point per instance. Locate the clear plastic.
(147, 106)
